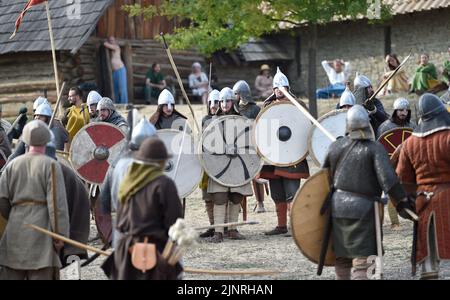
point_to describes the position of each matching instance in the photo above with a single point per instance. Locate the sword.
(174, 66)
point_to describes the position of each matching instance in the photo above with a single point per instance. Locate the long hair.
(389, 66)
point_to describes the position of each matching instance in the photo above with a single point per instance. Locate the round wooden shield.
(94, 148)
(307, 223)
(281, 134)
(318, 142)
(189, 172)
(393, 138)
(227, 152)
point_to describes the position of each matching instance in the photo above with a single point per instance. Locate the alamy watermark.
(73, 11)
(374, 9)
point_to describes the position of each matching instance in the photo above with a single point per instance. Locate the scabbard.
(414, 249)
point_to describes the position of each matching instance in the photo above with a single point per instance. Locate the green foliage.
(225, 24)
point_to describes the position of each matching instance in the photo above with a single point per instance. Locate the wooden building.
(80, 28)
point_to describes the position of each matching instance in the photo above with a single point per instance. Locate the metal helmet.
(430, 106)
(144, 129)
(106, 103)
(39, 100)
(213, 97)
(401, 103)
(242, 89)
(93, 98)
(166, 97)
(361, 81)
(357, 118)
(44, 110)
(347, 98)
(226, 94)
(280, 80)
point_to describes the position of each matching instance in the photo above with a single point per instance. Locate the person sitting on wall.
(263, 83)
(337, 72)
(399, 83)
(154, 83)
(426, 78)
(198, 82)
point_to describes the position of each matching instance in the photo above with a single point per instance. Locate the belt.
(374, 198)
(29, 202)
(438, 188)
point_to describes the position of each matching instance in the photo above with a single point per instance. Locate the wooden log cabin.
(80, 28)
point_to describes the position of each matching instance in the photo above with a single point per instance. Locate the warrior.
(423, 170)
(166, 116)
(78, 206)
(19, 123)
(107, 113)
(213, 106)
(93, 99)
(363, 91)
(77, 115)
(222, 195)
(283, 181)
(110, 187)
(44, 113)
(359, 170)
(401, 117)
(148, 206)
(40, 200)
(248, 108)
(347, 99)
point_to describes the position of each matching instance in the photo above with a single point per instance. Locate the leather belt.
(29, 202)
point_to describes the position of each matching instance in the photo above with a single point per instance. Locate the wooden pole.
(57, 106)
(307, 114)
(379, 261)
(52, 43)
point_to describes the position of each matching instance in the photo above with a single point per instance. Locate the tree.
(225, 24)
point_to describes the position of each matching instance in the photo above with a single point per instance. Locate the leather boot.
(219, 218)
(282, 220)
(210, 211)
(233, 215)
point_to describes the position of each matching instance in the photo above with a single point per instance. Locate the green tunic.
(422, 77)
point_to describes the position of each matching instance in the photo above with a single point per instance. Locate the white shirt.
(336, 77)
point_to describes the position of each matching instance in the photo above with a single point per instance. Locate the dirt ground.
(271, 252)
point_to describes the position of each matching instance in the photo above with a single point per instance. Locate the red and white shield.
(94, 149)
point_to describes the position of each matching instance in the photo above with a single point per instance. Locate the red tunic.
(425, 161)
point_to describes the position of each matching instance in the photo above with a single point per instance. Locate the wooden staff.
(55, 206)
(67, 240)
(57, 105)
(52, 43)
(379, 262)
(169, 54)
(307, 114)
(385, 82)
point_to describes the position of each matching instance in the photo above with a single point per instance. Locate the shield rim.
(257, 147)
(392, 130)
(74, 139)
(200, 152)
(333, 112)
(201, 167)
(320, 172)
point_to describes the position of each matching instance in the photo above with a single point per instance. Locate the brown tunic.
(424, 161)
(149, 213)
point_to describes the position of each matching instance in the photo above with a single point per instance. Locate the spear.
(183, 91)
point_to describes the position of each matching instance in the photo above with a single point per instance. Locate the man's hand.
(406, 203)
(58, 245)
(369, 105)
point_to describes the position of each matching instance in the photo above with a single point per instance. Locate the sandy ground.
(275, 252)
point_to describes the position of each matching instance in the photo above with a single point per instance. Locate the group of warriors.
(147, 203)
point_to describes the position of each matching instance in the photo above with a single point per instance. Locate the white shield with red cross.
(94, 149)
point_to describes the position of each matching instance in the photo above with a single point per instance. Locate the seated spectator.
(399, 83)
(426, 78)
(198, 82)
(337, 72)
(154, 83)
(263, 83)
